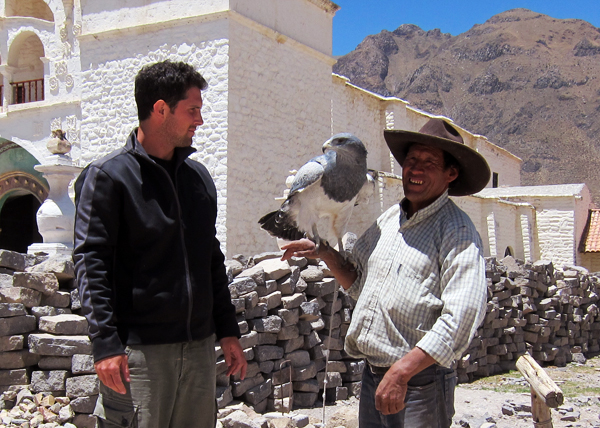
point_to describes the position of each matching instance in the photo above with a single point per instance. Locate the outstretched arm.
(342, 269)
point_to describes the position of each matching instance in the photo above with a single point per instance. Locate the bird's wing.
(310, 173)
(367, 189)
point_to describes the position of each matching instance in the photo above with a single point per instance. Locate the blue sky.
(358, 18)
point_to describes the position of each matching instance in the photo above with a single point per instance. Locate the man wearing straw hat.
(418, 275)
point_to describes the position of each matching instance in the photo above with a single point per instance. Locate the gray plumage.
(326, 186)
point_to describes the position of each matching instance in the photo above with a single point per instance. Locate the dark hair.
(167, 81)
(449, 162)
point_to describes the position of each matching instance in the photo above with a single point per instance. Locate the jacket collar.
(134, 146)
(423, 213)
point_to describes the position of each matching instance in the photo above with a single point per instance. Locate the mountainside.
(529, 82)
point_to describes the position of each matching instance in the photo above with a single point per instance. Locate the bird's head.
(346, 142)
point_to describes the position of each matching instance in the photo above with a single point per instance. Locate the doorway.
(18, 225)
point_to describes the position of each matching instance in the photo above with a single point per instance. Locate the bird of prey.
(328, 185)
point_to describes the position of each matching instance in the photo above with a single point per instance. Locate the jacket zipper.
(188, 281)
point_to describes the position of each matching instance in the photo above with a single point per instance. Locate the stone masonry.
(285, 312)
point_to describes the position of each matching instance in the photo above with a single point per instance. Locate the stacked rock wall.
(285, 311)
(46, 370)
(550, 313)
(289, 316)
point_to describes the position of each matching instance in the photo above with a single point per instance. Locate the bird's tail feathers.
(281, 225)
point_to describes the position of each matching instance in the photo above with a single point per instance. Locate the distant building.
(272, 101)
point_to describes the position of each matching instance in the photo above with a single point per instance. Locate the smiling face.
(180, 123)
(424, 176)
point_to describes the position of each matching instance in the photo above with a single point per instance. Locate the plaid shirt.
(421, 282)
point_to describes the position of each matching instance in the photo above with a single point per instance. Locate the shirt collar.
(180, 155)
(423, 213)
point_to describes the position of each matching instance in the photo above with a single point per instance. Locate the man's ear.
(453, 174)
(160, 108)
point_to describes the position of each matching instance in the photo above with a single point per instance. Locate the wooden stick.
(540, 412)
(540, 382)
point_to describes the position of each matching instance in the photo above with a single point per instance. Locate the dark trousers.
(429, 401)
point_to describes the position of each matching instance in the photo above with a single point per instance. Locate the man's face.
(180, 123)
(424, 177)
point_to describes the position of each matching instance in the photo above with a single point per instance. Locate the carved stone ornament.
(63, 32)
(69, 81)
(61, 68)
(55, 124)
(53, 83)
(77, 29)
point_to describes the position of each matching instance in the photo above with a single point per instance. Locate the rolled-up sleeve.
(464, 296)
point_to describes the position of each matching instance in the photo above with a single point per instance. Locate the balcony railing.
(28, 91)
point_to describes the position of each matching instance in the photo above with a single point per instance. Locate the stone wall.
(108, 108)
(285, 311)
(550, 313)
(46, 368)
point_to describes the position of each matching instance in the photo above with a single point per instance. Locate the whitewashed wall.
(30, 124)
(583, 201)
(111, 62)
(305, 21)
(362, 113)
(557, 223)
(556, 228)
(591, 261)
(115, 15)
(501, 161)
(280, 95)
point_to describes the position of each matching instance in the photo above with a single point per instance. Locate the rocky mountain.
(529, 82)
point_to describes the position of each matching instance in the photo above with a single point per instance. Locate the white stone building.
(272, 101)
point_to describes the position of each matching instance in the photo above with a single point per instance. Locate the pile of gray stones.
(293, 318)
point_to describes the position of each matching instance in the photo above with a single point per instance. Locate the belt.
(380, 371)
(376, 370)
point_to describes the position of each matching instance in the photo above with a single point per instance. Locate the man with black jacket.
(149, 267)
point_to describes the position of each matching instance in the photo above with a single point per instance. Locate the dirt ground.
(481, 403)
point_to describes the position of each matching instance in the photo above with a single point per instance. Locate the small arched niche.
(27, 68)
(29, 8)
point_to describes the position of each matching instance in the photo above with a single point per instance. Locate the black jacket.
(148, 263)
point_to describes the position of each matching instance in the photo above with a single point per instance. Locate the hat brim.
(474, 172)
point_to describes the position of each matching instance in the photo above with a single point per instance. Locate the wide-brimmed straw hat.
(474, 172)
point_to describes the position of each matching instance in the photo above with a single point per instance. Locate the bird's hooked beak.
(327, 145)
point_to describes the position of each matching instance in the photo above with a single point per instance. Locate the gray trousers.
(172, 386)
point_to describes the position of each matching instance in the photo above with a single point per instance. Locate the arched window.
(29, 8)
(24, 57)
(22, 190)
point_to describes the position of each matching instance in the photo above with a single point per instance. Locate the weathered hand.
(389, 397)
(234, 356)
(112, 371)
(391, 392)
(301, 248)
